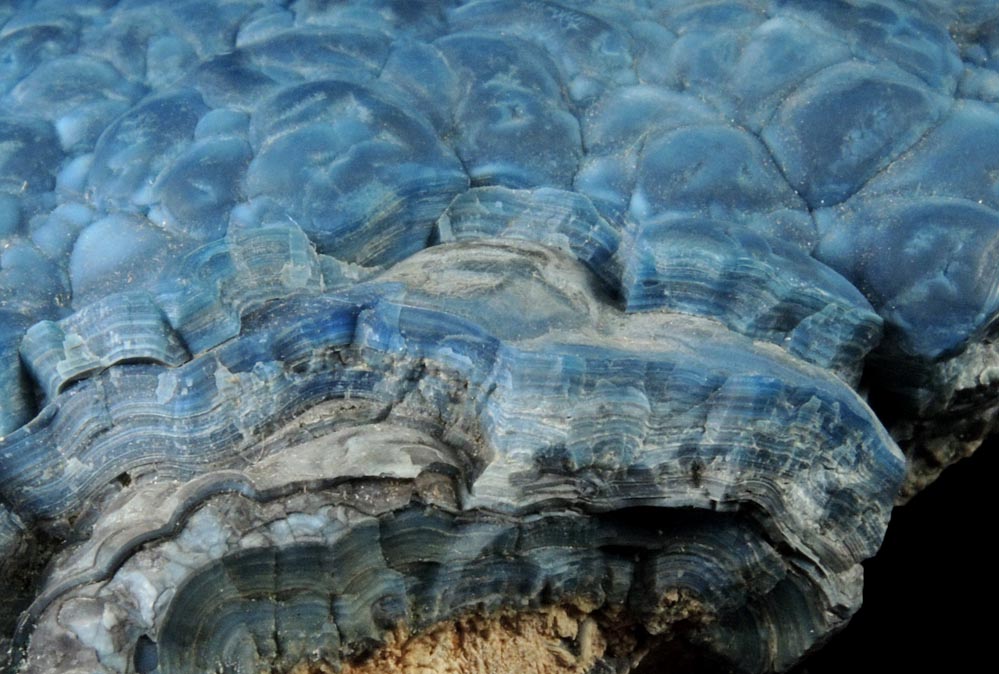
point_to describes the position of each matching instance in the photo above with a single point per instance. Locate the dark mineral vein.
(385, 336)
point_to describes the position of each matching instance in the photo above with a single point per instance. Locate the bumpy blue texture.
(567, 259)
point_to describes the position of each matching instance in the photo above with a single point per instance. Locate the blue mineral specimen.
(322, 323)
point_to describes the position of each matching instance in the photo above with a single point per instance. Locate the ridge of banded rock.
(331, 331)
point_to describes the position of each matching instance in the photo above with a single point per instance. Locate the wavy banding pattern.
(326, 323)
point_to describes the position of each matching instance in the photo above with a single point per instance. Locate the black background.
(930, 595)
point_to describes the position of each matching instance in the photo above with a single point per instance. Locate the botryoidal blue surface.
(321, 319)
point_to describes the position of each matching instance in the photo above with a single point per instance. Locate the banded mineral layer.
(376, 335)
